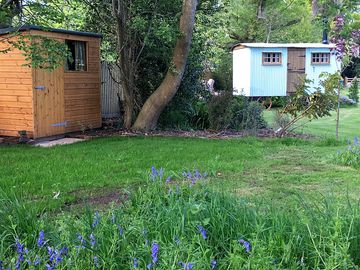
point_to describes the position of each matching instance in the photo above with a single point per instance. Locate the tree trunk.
(315, 8)
(156, 103)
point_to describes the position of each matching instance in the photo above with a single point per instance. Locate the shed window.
(77, 58)
(320, 58)
(271, 58)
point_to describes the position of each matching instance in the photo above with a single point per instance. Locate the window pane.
(77, 58)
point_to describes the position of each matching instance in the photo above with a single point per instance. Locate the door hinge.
(62, 124)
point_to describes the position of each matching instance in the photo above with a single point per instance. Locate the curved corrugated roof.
(284, 45)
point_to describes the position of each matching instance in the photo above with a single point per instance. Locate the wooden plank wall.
(16, 93)
(82, 89)
(82, 92)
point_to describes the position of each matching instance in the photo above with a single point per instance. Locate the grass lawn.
(279, 168)
(325, 127)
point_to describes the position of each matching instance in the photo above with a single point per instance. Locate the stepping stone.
(62, 141)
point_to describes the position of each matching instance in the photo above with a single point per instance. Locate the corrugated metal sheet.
(313, 71)
(268, 80)
(110, 88)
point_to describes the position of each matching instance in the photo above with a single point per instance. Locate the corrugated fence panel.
(110, 88)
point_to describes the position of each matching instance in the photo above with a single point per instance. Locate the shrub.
(344, 100)
(351, 156)
(354, 91)
(237, 113)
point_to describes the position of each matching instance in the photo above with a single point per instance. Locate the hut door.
(49, 102)
(296, 69)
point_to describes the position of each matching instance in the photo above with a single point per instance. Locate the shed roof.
(284, 45)
(4, 31)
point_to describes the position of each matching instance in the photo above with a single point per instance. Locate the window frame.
(320, 56)
(271, 56)
(86, 57)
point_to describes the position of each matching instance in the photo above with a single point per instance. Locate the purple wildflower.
(40, 240)
(202, 231)
(121, 230)
(149, 266)
(168, 180)
(177, 240)
(154, 173)
(197, 174)
(135, 263)
(213, 264)
(1, 265)
(246, 244)
(187, 266)
(92, 240)
(154, 252)
(97, 219)
(356, 141)
(37, 261)
(82, 241)
(96, 261)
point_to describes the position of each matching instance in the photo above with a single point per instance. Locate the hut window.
(271, 58)
(320, 58)
(77, 58)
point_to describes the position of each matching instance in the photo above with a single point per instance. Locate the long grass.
(193, 225)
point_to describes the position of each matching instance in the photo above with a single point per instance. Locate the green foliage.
(272, 21)
(311, 105)
(354, 91)
(238, 113)
(351, 156)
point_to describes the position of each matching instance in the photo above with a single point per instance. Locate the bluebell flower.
(149, 266)
(154, 173)
(121, 230)
(202, 231)
(92, 240)
(82, 241)
(135, 263)
(154, 252)
(64, 251)
(49, 267)
(356, 141)
(177, 240)
(37, 261)
(187, 266)
(20, 249)
(97, 219)
(184, 174)
(17, 265)
(96, 262)
(205, 174)
(168, 180)
(197, 174)
(246, 244)
(40, 240)
(213, 264)
(1, 265)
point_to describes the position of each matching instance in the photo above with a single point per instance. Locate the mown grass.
(248, 166)
(326, 127)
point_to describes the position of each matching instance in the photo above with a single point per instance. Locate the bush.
(344, 100)
(179, 224)
(237, 113)
(351, 156)
(354, 91)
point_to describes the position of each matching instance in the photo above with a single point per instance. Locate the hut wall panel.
(16, 99)
(268, 80)
(82, 91)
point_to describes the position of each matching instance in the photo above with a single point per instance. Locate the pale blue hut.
(270, 69)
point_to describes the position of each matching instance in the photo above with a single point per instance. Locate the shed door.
(49, 102)
(296, 68)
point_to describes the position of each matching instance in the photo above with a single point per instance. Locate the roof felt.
(285, 45)
(4, 31)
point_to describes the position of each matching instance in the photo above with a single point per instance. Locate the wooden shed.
(44, 103)
(274, 69)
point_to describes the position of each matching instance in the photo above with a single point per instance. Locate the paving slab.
(62, 141)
